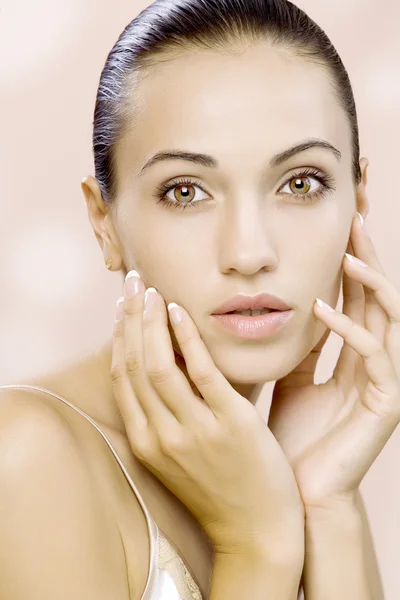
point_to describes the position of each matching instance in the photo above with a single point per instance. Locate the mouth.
(263, 303)
(253, 324)
(252, 313)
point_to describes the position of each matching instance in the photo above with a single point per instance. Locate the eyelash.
(326, 182)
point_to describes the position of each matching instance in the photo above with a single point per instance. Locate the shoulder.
(39, 453)
(29, 422)
(51, 519)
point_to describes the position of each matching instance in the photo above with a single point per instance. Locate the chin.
(254, 367)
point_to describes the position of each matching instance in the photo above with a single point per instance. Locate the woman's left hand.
(333, 432)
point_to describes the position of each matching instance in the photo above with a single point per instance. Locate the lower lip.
(254, 328)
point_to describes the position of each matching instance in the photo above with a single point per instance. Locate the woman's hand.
(331, 433)
(212, 448)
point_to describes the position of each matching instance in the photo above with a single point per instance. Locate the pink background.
(57, 299)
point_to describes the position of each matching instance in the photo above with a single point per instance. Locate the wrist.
(271, 551)
(346, 504)
(342, 514)
(329, 528)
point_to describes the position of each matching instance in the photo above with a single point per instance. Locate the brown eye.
(300, 185)
(183, 193)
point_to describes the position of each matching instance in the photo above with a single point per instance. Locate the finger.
(384, 316)
(216, 391)
(132, 412)
(354, 308)
(157, 413)
(375, 318)
(167, 379)
(353, 297)
(382, 289)
(377, 362)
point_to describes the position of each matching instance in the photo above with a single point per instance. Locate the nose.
(246, 241)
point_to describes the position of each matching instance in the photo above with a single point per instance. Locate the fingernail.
(120, 314)
(355, 260)
(363, 225)
(132, 283)
(150, 297)
(175, 312)
(324, 305)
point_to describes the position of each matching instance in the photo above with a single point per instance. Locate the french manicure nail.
(175, 312)
(324, 305)
(150, 297)
(355, 260)
(132, 283)
(363, 225)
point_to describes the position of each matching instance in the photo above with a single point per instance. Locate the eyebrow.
(206, 160)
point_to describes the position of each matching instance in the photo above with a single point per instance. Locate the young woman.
(227, 178)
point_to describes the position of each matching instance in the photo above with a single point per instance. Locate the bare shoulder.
(58, 540)
(20, 405)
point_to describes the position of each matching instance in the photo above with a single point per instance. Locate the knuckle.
(379, 349)
(117, 331)
(353, 327)
(144, 453)
(117, 373)
(187, 338)
(202, 376)
(142, 450)
(171, 443)
(144, 446)
(133, 361)
(132, 308)
(245, 422)
(160, 375)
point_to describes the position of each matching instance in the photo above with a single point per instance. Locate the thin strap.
(151, 524)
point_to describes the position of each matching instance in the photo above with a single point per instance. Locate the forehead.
(257, 101)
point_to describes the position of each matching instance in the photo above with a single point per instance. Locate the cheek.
(175, 268)
(318, 265)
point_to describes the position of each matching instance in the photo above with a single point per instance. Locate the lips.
(259, 311)
(242, 302)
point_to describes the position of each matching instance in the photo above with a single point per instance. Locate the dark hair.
(172, 26)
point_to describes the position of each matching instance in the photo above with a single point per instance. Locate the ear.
(99, 213)
(96, 208)
(361, 192)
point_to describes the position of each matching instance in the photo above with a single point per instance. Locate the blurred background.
(57, 300)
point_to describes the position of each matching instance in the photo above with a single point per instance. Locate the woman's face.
(252, 228)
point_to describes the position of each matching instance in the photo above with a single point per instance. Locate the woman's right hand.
(213, 451)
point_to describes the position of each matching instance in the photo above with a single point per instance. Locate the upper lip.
(242, 302)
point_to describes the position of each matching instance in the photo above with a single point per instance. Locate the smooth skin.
(198, 446)
(172, 430)
(250, 231)
(333, 432)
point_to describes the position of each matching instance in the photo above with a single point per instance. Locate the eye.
(184, 193)
(301, 184)
(181, 193)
